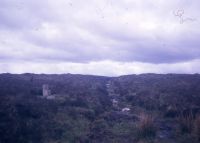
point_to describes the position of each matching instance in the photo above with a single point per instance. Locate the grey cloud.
(92, 31)
(22, 14)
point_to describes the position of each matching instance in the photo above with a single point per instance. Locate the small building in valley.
(126, 110)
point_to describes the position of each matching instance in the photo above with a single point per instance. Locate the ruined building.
(46, 91)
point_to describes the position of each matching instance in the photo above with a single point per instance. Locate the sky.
(100, 37)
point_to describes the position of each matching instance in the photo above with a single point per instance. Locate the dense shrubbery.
(83, 113)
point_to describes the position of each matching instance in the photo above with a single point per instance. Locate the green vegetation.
(196, 128)
(146, 127)
(163, 109)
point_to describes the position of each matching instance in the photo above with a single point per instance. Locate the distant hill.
(26, 84)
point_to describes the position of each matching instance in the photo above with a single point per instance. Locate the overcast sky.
(100, 37)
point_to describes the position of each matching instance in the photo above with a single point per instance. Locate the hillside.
(146, 108)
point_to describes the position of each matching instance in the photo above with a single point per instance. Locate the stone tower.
(45, 90)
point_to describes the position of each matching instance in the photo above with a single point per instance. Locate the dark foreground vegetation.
(147, 108)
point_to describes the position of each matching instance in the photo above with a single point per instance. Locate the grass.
(186, 123)
(196, 129)
(189, 124)
(146, 127)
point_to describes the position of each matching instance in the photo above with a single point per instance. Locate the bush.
(146, 127)
(186, 122)
(196, 131)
